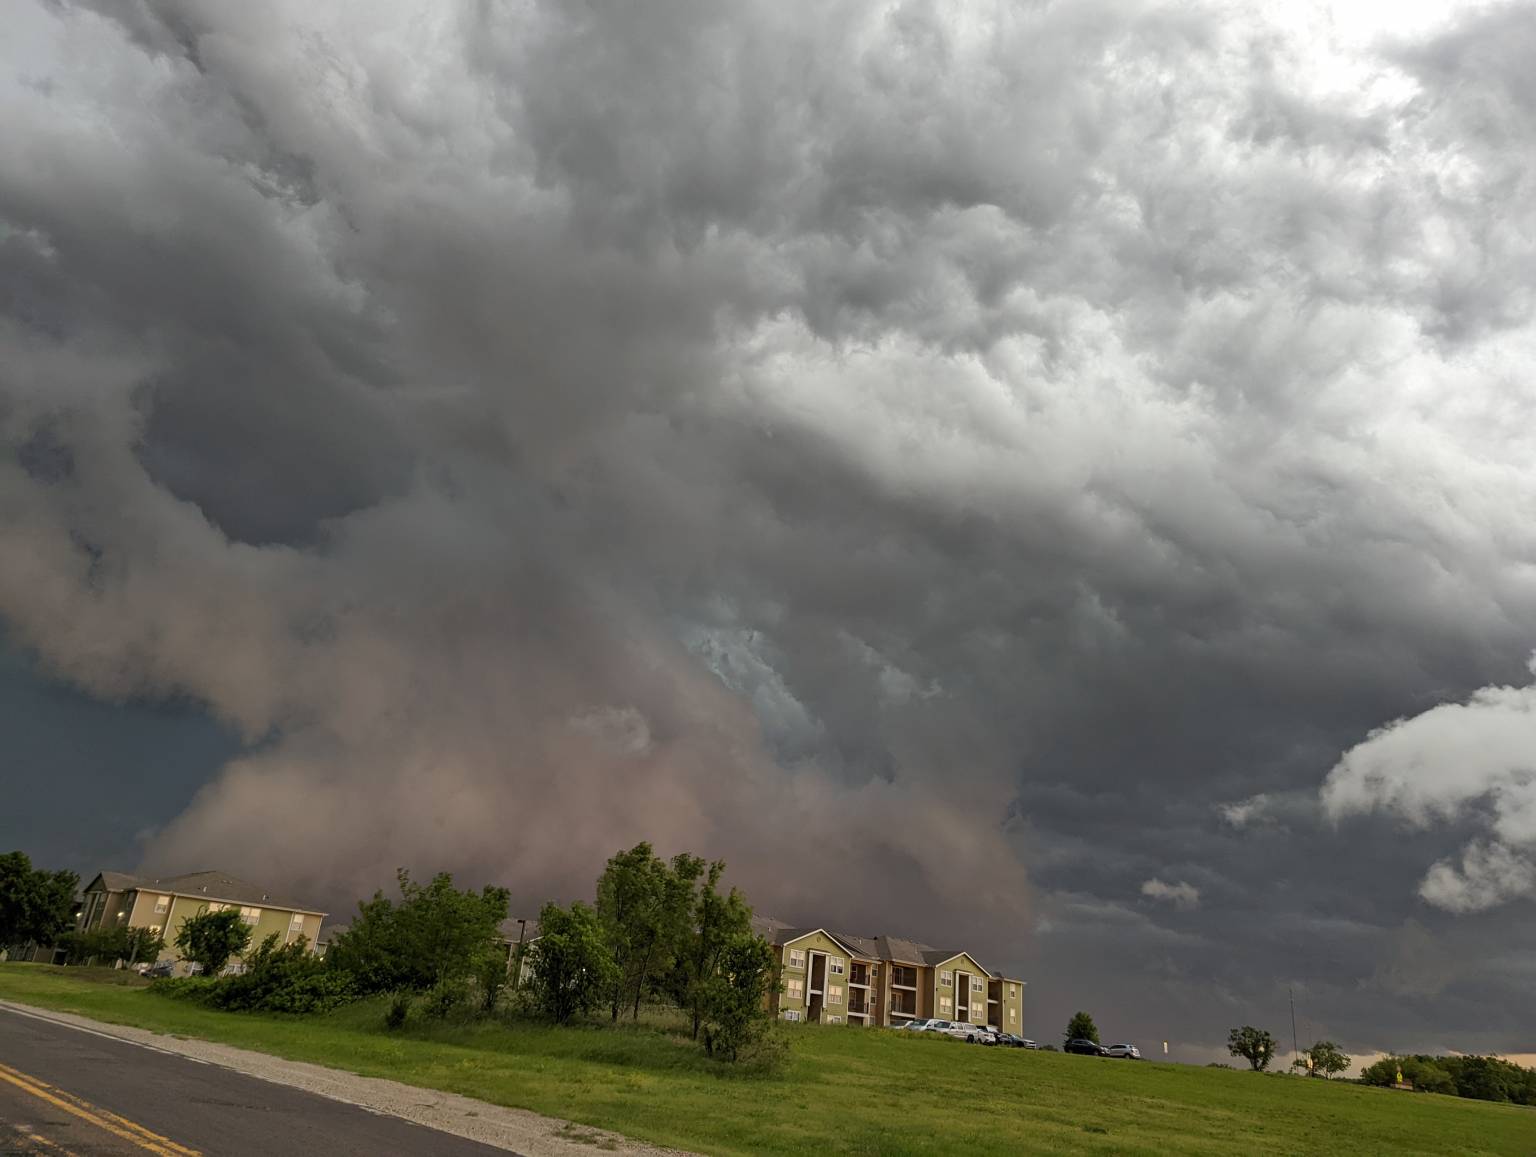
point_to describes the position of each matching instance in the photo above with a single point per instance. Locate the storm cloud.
(977, 467)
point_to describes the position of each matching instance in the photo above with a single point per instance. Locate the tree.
(571, 969)
(716, 920)
(735, 998)
(130, 945)
(631, 900)
(211, 938)
(1423, 1073)
(1254, 1045)
(435, 933)
(1326, 1057)
(1081, 1027)
(36, 906)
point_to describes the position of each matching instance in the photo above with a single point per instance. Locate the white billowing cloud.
(1180, 895)
(1443, 764)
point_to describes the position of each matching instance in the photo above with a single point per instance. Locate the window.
(161, 904)
(796, 958)
(835, 965)
(155, 929)
(874, 970)
(947, 979)
(978, 984)
(296, 924)
(1013, 991)
(791, 1014)
(834, 1020)
(250, 915)
(1013, 1015)
(834, 994)
(794, 988)
(944, 1004)
(215, 906)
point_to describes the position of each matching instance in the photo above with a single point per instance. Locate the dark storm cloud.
(899, 448)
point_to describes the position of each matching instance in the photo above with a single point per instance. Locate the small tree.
(717, 920)
(211, 938)
(1081, 1027)
(1327, 1060)
(1254, 1045)
(631, 899)
(570, 965)
(735, 1003)
(435, 933)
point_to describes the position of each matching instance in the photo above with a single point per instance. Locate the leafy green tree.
(735, 999)
(1081, 1027)
(435, 933)
(210, 938)
(571, 970)
(36, 906)
(1327, 1060)
(631, 899)
(717, 919)
(1254, 1045)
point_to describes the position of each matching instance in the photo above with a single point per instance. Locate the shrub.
(447, 998)
(131, 945)
(211, 938)
(276, 979)
(398, 1011)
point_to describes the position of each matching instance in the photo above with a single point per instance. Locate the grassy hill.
(844, 1091)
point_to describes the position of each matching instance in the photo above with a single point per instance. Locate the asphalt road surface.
(68, 1093)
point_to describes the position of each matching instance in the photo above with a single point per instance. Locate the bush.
(570, 964)
(211, 938)
(735, 999)
(447, 998)
(276, 979)
(398, 1011)
(106, 945)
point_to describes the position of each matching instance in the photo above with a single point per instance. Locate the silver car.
(1125, 1052)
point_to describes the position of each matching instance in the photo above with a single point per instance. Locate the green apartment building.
(161, 906)
(834, 978)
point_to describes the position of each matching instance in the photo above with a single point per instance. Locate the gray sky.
(1049, 477)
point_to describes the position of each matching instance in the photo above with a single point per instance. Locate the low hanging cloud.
(1450, 762)
(1180, 895)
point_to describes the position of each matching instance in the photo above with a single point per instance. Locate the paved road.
(67, 1092)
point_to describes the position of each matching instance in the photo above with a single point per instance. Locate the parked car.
(1083, 1048)
(159, 969)
(1029, 1044)
(914, 1025)
(978, 1034)
(1008, 1040)
(1126, 1052)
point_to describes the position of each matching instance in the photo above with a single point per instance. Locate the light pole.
(517, 974)
(1295, 1044)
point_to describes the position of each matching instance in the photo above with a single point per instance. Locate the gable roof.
(935, 957)
(113, 882)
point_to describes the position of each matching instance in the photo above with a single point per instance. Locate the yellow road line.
(109, 1122)
(37, 1138)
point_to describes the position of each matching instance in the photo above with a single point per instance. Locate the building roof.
(895, 949)
(214, 885)
(117, 881)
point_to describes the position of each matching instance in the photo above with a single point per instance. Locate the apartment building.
(162, 905)
(834, 978)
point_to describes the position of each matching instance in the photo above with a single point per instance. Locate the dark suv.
(1083, 1048)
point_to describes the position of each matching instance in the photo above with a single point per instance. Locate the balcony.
(860, 1005)
(862, 975)
(903, 977)
(903, 1003)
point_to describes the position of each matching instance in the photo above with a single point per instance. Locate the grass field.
(844, 1090)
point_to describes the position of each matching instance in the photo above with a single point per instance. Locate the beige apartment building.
(161, 905)
(834, 978)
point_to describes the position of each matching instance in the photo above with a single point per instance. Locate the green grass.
(844, 1090)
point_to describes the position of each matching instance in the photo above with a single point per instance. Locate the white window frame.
(218, 906)
(296, 922)
(834, 994)
(796, 958)
(946, 979)
(1013, 991)
(791, 1014)
(1013, 1015)
(835, 965)
(978, 985)
(794, 988)
(834, 1020)
(162, 905)
(945, 1004)
(249, 915)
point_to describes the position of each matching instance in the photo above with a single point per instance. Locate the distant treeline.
(1481, 1078)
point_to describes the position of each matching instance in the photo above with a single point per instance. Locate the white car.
(1125, 1052)
(913, 1025)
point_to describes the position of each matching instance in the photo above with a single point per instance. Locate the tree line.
(660, 931)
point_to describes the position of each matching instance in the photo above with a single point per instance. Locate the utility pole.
(517, 969)
(1295, 1044)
